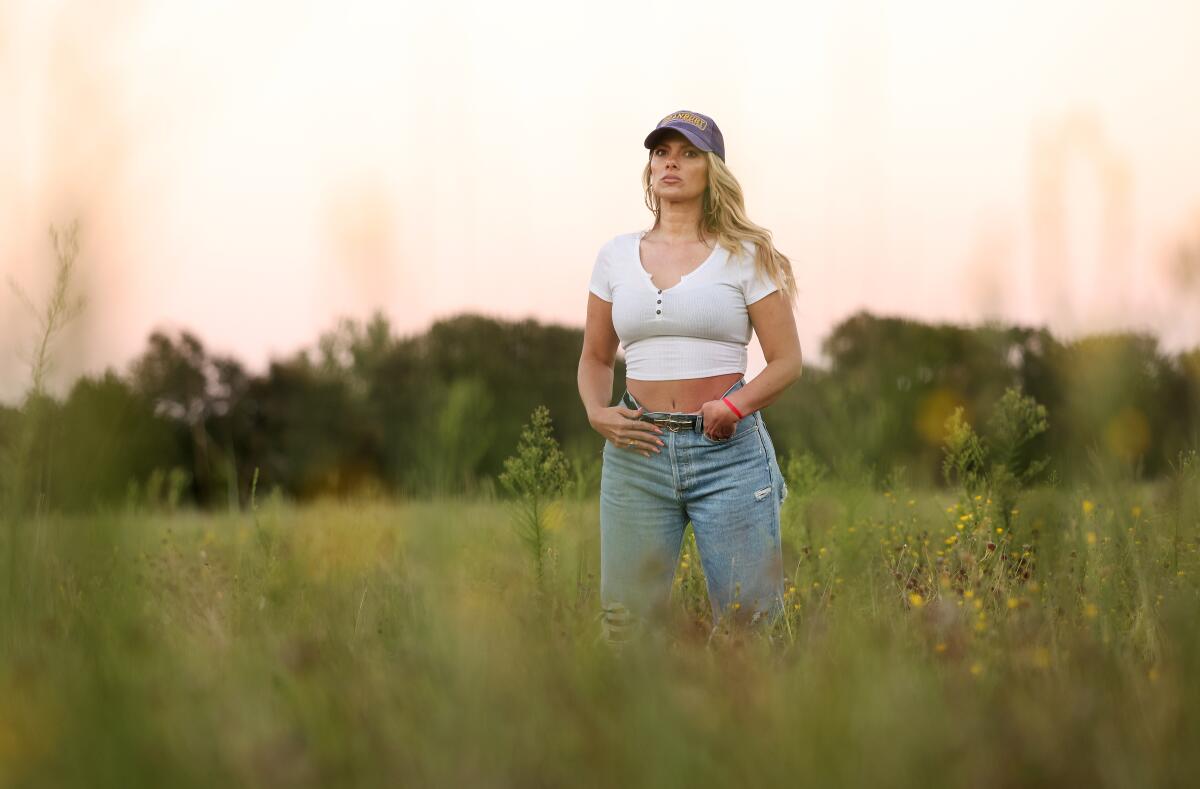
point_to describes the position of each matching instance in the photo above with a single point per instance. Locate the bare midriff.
(684, 396)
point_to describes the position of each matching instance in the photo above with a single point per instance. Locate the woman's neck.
(680, 221)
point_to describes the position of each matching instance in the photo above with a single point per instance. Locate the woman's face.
(678, 169)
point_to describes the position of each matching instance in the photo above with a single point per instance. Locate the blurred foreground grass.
(407, 644)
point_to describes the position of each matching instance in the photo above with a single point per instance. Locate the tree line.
(367, 411)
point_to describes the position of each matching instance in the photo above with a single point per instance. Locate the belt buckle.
(675, 425)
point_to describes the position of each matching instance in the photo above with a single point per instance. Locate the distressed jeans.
(730, 490)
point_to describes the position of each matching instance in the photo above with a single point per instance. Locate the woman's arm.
(775, 326)
(595, 379)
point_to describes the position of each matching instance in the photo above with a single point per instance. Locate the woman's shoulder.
(749, 250)
(743, 257)
(621, 243)
(625, 239)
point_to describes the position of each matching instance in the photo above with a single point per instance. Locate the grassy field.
(408, 644)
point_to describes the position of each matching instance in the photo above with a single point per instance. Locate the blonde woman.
(686, 441)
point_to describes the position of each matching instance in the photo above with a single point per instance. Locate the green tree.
(460, 436)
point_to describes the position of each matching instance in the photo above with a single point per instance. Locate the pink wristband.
(732, 407)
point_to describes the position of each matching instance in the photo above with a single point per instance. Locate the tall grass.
(25, 464)
(385, 644)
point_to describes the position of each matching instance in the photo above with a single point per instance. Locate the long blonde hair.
(724, 215)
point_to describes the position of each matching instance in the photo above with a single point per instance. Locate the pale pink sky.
(254, 170)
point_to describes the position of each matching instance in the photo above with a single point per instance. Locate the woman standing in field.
(686, 441)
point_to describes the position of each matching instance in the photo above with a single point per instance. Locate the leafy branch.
(536, 475)
(999, 465)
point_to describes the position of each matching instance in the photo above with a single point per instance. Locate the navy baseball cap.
(700, 130)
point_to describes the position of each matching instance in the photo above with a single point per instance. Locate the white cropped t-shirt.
(697, 328)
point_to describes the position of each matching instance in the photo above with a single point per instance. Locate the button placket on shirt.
(658, 309)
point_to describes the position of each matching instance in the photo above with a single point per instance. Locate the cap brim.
(652, 137)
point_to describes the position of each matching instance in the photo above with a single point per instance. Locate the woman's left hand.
(719, 420)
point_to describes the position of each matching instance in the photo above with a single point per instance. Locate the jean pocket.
(741, 430)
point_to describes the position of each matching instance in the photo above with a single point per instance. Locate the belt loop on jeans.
(738, 384)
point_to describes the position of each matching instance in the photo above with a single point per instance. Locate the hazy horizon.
(251, 173)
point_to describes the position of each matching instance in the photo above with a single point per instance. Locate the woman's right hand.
(621, 426)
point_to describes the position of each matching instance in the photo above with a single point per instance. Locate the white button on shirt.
(697, 328)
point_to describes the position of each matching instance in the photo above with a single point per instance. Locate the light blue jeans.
(731, 491)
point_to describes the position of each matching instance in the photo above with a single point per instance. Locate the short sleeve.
(755, 284)
(600, 283)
